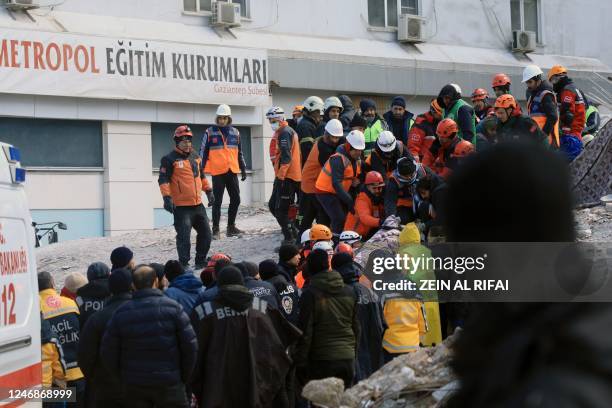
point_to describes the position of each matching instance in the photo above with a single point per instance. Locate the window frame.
(199, 12)
(539, 32)
(387, 27)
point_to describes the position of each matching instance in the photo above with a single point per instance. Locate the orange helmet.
(557, 70)
(298, 109)
(463, 149)
(446, 128)
(505, 102)
(344, 248)
(374, 177)
(479, 94)
(500, 80)
(434, 107)
(320, 232)
(219, 256)
(182, 131)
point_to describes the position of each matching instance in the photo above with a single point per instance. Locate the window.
(162, 143)
(203, 6)
(383, 13)
(55, 142)
(524, 15)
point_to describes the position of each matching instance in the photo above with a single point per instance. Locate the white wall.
(51, 190)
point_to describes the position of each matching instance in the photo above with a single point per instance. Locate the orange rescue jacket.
(182, 178)
(367, 215)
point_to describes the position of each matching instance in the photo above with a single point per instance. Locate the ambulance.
(20, 348)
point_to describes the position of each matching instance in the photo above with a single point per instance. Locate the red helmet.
(446, 128)
(344, 248)
(479, 94)
(182, 131)
(374, 177)
(463, 149)
(500, 80)
(219, 256)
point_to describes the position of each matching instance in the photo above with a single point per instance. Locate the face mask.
(275, 126)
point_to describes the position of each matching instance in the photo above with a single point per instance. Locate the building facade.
(91, 91)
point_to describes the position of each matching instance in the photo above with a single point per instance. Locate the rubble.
(325, 393)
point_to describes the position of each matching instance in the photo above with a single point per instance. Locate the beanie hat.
(173, 269)
(121, 257)
(97, 270)
(406, 167)
(367, 103)
(120, 281)
(399, 101)
(410, 234)
(74, 281)
(252, 268)
(159, 270)
(268, 269)
(207, 277)
(318, 260)
(287, 251)
(340, 259)
(243, 269)
(230, 275)
(358, 121)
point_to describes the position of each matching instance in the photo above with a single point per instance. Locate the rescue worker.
(222, 157)
(339, 174)
(480, 101)
(332, 109)
(348, 112)
(307, 128)
(593, 119)
(386, 153)
(449, 149)
(181, 180)
(90, 298)
(423, 133)
(513, 127)
(52, 355)
(369, 207)
(63, 315)
(287, 170)
(501, 86)
(318, 233)
(399, 119)
(401, 187)
(459, 111)
(296, 116)
(572, 111)
(321, 151)
(542, 104)
(375, 124)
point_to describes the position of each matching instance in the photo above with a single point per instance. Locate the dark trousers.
(79, 385)
(185, 218)
(221, 182)
(343, 369)
(283, 195)
(310, 209)
(153, 397)
(334, 210)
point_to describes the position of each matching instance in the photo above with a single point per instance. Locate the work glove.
(243, 173)
(211, 198)
(169, 205)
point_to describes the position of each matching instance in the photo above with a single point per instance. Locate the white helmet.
(224, 110)
(305, 236)
(324, 245)
(531, 71)
(386, 141)
(334, 128)
(350, 237)
(356, 139)
(275, 112)
(457, 88)
(313, 103)
(333, 102)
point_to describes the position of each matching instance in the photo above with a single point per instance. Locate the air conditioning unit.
(523, 41)
(410, 28)
(20, 4)
(225, 14)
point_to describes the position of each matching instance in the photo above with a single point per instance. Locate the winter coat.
(90, 359)
(328, 318)
(307, 133)
(348, 111)
(522, 129)
(400, 128)
(91, 297)
(52, 355)
(185, 289)
(263, 290)
(149, 341)
(242, 360)
(288, 292)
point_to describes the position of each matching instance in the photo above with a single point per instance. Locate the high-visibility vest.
(534, 109)
(371, 136)
(293, 168)
(222, 151)
(351, 172)
(311, 169)
(453, 114)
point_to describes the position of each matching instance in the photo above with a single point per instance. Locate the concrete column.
(127, 177)
(263, 172)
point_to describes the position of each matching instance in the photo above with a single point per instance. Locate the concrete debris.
(594, 224)
(324, 393)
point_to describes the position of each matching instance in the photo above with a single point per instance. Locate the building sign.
(45, 63)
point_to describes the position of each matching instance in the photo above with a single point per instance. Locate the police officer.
(181, 180)
(91, 297)
(222, 157)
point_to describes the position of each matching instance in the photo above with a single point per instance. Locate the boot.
(215, 232)
(232, 231)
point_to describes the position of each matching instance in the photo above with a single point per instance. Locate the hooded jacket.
(288, 292)
(348, 111)
(185, 289)
(242, 360)
(91, 297)
(328, 318)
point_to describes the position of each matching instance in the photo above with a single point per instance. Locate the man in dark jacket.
(458, 110)
(348, 112)
(307, 128)
(328, 318)
(184, 287)
(259, 288)
(90, 298)
(386, 153)
(242, 360)
(513, 126)
(103, 385)
(150, 344)
(399, 119)
(541, 103)
(369, 315)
